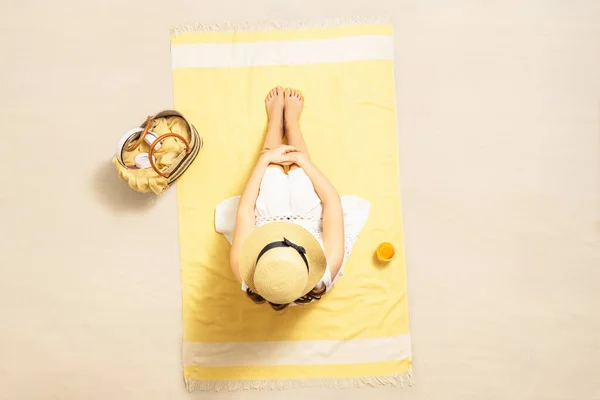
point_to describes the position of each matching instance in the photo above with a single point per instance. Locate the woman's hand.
(299, 158)
(279, 155)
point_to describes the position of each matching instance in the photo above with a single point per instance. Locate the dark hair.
(314, 294)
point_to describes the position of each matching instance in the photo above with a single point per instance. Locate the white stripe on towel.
(305, 352)
(349, 48)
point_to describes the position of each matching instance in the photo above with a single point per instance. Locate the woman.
(288, 239)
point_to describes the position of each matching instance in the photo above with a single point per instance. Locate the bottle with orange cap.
(385, 252)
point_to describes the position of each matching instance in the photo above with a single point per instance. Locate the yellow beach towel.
(356, 335)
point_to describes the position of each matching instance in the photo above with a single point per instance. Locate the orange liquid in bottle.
(385, 251)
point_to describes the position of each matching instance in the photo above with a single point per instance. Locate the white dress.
(291, 198)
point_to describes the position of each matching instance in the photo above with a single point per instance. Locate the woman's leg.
(274, 106)
(294, 102)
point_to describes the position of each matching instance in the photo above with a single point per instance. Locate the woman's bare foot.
(274, 106)
(294, 102)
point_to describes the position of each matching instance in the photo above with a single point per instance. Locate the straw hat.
(281, 262)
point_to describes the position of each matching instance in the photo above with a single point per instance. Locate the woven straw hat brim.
(276, 231)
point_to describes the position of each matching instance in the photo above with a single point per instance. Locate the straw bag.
(153, 156)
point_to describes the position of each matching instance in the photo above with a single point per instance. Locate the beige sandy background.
(499, 127)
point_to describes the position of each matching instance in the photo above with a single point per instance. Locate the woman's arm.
(333, 215)
(245, 220)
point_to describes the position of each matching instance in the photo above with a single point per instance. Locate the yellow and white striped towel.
(357, 335)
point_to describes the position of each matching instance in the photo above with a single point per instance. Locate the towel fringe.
(281, 25)
(401, 380)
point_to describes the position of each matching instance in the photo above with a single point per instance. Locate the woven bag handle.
(130, 146)
(188, 149)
